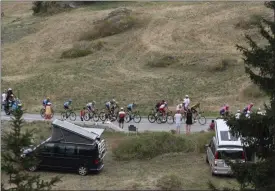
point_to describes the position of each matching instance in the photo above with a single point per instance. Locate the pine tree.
(258, 131)
(14, 165)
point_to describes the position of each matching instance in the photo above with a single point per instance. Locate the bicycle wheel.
(42, 113)
(170, 119)
(72, 116)
(95, 117)
(87, 117)
(137, 118)
(102, 116)
(127, 118)
(151, 118)
(63, 115)
(202, 120)
(159, 120)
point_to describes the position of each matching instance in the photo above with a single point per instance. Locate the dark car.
(69, 156)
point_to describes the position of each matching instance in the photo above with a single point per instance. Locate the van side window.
(48, 148)
(60, 149)
(84, 151)
(70, 149)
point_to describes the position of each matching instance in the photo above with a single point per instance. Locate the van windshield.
(230, 154)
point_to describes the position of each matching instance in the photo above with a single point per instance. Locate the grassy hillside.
(158, 50)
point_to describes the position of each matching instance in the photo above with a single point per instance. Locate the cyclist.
(162, 107)
(91, 106)
(45, 101)
(248, 108)
(108, 105)
(186, 102)
(224, 110)
(130, 107)
(67, 104)
(158, 105)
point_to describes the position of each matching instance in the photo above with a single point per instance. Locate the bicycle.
(42, 113)
(132, 116)
(107, 115)
(68, 114)
(91, 115)
(225, 115)
(159, 118)
(197, 116)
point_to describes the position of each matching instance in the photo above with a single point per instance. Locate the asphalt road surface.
(144, 125)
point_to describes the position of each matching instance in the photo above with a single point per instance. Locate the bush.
(75, 53)
(253, 91)
(49, 7)
(151, 144)
(223, 65)
(162, 61)
(253, 21)
(116, 22)
(169, 182)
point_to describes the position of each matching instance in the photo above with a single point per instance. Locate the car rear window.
(230, 154)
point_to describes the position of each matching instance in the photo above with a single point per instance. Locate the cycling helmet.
(251, 104)
(93, 102)
(48, 98)
(186, 96)
(239, 111)
(259, 109)
(70, 100)
(9, 89)
(121, 108)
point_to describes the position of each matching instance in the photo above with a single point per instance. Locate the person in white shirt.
(4, 97)
(238, 114)
(186, 102)
(179, 107)
(178, 118)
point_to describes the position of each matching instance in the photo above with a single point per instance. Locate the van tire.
(82, 170)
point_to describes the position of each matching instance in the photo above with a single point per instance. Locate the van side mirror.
(206, 145)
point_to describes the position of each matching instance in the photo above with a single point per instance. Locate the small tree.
(258, 131)
(14, 165)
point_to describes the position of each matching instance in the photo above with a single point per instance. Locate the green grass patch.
(151, 144)
(169, 182)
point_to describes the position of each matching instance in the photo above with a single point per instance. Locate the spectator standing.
(178, 118)
(212, 126)
(188, 121)
(48, 112)
(121, 116)
(4, 96)
(82, 113)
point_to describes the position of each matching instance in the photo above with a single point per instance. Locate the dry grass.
(188, 168)
(252, 91)
(119, 69)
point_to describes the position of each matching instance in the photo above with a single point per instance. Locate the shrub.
(253, 91)
(223, 65)
(49, 7)
(75, 53)
(151, 144)
(162, 61)
(253, 21)
(169, 182)
(116, 22)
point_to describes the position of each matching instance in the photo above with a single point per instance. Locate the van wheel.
(33, 168)
(82, 170)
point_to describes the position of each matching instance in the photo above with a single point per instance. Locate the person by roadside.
(178, 118)
(48, 112)
(188, 121)
(4, 96)
(121, 116)
(212, 126)
(82, 113)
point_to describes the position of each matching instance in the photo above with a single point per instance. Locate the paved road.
(144, 125)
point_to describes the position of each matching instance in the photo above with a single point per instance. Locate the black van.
(69, 156)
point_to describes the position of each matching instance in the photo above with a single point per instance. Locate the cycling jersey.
(121, 114)
(162, 106)
(67, 103)
(186, 102)
(130, 106)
